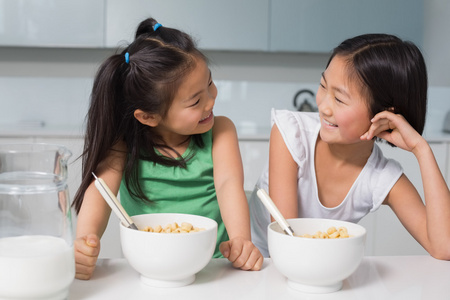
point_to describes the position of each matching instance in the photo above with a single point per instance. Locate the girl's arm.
(229, 180)
(282, 176)
(429, 224)
(94, 215)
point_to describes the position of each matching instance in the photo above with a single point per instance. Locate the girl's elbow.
(441, 256)
(442, 252)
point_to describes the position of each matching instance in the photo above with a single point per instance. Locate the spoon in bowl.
(113, 202)
(271, 207)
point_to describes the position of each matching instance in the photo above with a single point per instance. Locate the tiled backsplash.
(53, 101)
(249, 104)
(64, 102)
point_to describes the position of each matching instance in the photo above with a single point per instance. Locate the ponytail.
(103, 121)
(147, 28)
(145, 76)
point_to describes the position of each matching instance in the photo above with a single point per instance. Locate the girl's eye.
(337, 100)
(210, 83)
(196, 102)
(321, 85)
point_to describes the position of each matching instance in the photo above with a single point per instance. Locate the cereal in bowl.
(331, 233)
(174, 228)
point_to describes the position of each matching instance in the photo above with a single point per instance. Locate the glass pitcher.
(36, 240)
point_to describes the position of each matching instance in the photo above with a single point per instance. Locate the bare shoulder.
(274, 131)
(222, 121)
(223, 124)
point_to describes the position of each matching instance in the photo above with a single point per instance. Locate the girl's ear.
(151, 120)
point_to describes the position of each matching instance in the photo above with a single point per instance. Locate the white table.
(378, 277)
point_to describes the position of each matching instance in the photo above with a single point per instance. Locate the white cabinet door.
(386, 235)
(216, 25)
(52, 23)
(410, 164)
(255, 156)
(320, 25)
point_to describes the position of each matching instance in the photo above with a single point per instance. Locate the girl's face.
(344, 114)
(191, 111)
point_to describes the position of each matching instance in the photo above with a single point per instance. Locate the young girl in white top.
(327, 165)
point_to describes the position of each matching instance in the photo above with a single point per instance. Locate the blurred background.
(264, 54)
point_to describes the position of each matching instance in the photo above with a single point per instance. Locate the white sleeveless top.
(300, 131)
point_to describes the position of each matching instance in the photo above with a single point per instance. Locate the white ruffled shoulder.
(299, 131)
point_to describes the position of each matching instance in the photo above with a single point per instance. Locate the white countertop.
(378, 277)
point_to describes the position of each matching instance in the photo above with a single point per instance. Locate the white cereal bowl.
(168, 259)
(316, 265)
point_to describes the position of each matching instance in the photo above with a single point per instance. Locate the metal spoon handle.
(273, 210)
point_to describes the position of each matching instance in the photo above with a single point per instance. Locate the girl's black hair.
(393, 74)
(157, 63)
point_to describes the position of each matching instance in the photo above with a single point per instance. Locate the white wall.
(81, 64)
(249, 66)
(437, 41)
(272, 67)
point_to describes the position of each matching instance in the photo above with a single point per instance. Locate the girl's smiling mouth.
(207, 118)
(328, 123)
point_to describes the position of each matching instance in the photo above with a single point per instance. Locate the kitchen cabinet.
(410, 164)
(252, 25)
(217, 25)
(255, 156)
(387, 234)
(320, 25)
(52, 23)
(276, 25)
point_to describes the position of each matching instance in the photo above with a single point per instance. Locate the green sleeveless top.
(173, 189)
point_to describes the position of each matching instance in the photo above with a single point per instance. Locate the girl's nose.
(323, 103)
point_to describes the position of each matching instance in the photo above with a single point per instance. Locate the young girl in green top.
(151, 134)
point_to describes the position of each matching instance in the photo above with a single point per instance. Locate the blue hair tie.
(156, 26)
(127, 57)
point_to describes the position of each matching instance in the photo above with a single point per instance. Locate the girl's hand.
(87, 249)
(403, 135)
(243, 254)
